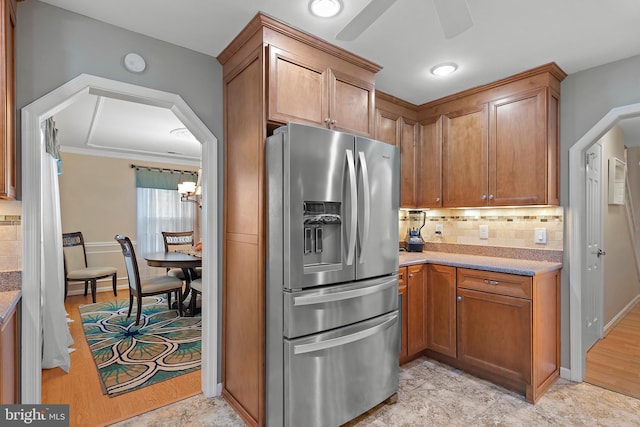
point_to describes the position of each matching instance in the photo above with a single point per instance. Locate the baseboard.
(620, 315)
(565, 373)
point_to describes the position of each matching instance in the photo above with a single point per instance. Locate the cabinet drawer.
(496, 283)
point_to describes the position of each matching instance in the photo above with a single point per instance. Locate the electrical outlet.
(540, 236)
(484, 232)
(439, 230)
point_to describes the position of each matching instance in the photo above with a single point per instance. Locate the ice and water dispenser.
(322, 234)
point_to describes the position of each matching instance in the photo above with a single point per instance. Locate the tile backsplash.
(507, 227)
(10, 236)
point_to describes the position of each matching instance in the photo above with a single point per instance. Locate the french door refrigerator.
(332, 327)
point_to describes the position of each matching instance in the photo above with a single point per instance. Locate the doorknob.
(600, 253)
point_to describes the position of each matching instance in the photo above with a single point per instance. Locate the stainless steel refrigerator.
(332, 327)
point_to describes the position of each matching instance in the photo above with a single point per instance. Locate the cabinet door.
(7, 103)
(518, 150)
(441, 309)
(387, 127)
(408, 163)
(298, 89)
(464, 157)
(494, 333)
(9, 359)
(402, 290)
(417, 319)
(351, 107)
(429, 159)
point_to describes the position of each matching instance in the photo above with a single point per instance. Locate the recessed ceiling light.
(444, 69)
(182, 133)
(325, 8)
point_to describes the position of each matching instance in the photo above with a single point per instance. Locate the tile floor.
(433, 394)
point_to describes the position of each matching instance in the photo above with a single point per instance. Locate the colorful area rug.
(129, 357)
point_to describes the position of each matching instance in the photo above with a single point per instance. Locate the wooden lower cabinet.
(441, 309)
(498, 326)
(494, 333)
(509, 328)
(9, 359)
(402, 290)
(416, 310)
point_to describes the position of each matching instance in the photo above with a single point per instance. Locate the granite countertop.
(522, 267)
(10, 292)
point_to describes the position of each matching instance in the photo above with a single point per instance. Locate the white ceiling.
(125, 129)
(508, 36)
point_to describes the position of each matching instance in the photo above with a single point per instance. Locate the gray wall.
(621, 281)
(54, 46)
(587, 96)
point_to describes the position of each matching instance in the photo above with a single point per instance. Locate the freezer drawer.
(321, 309)
(333, 377)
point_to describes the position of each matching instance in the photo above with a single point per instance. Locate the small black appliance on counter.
(414, 242)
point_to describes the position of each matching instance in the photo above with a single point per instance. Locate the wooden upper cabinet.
(305, 90)
(519, 150)
(464, 157)
(408, 163)
(8, 101)
(387, 127)
(429, 161)
(351, 104)
(298, 89)
(396, 124)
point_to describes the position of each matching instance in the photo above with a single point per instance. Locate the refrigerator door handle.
(367, 207)
(344, 295)
(354, 208)
(336, 342)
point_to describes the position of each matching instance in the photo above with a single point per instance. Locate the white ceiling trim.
(97, 111)
(128, 154)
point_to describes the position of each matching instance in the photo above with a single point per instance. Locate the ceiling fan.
(454, 17)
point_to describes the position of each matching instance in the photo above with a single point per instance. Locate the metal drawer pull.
(336, 342)
(491, 282)
(338, 296)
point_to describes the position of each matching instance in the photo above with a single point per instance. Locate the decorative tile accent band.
(10, 220)
(506, 227)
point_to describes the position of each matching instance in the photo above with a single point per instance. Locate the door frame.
(32, 150)
(575, 228)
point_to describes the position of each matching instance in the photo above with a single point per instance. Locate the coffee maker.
(414, 240)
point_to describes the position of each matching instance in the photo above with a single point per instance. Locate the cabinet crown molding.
(263, 21)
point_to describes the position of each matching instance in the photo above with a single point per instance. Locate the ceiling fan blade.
(364, 19)
(454, 16)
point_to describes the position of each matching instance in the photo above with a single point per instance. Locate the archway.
(32, 148)
(576, 216)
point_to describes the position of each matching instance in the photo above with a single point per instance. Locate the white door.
(593, 285)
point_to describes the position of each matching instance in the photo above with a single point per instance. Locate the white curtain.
(55, 331)
(157, 211)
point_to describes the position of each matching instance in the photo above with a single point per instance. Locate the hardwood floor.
(614, 361)
(81, 388)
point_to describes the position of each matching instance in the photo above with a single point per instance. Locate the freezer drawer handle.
(354, 207)
(339, 296)
(367, 207)
(336, 342)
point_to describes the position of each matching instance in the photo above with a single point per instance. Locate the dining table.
(187, 261)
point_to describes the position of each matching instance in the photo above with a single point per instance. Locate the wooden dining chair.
(147, 287)
(176, 241)
(196, 289)
(76, 268)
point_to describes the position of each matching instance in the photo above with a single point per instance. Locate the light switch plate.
(484, 232)
(540, 235)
